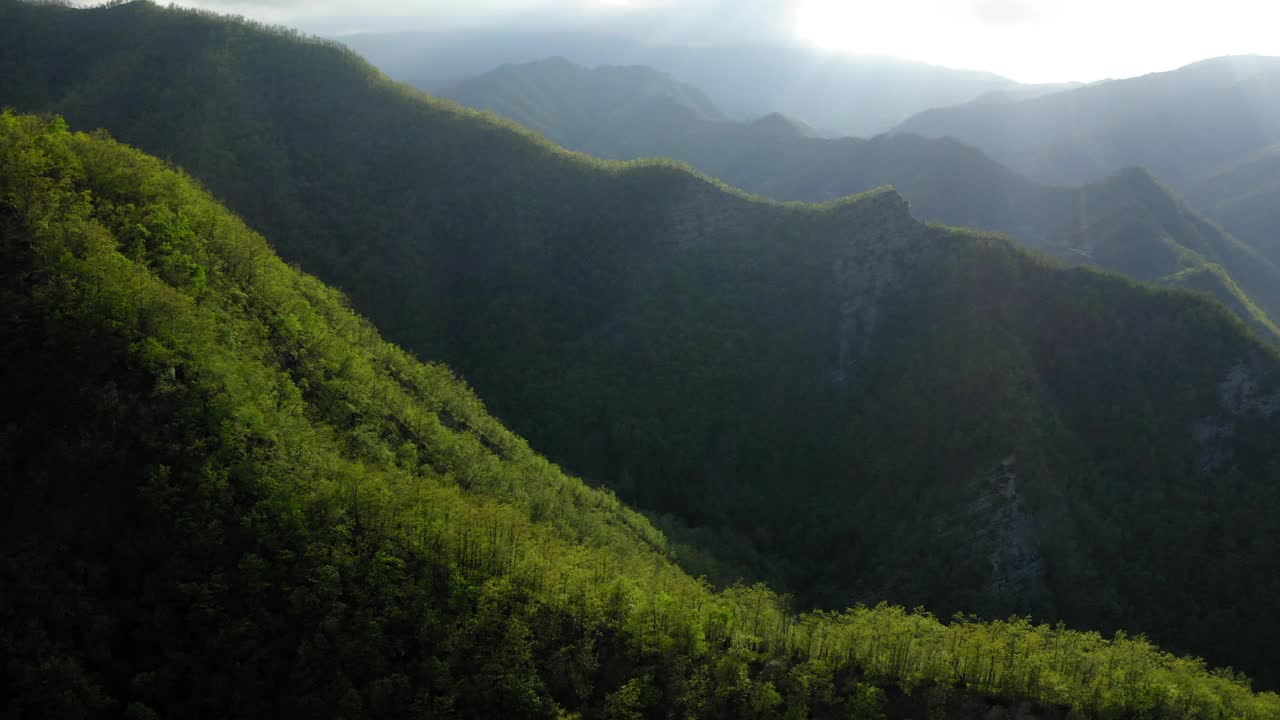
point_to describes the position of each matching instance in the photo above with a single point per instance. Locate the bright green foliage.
(229, 498)
(794, 411)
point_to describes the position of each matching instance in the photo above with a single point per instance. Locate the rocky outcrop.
(880, 246)
(1213, 435)
(703, 212)
(1242, 397)
(874, 243)
(1002, 530)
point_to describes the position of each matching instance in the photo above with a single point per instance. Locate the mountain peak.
(565, 100)
(776, 123)
(1157, 121)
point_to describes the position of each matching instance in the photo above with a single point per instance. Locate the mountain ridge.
(835, 94)
(586, 99)
(1127, 221)
(286, 515)
(1157, 120)
(832, 395)
(1243, 197)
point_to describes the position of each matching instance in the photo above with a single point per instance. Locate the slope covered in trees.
(842, 399)
(1128, 222)
(1245, 198)
(226, 496)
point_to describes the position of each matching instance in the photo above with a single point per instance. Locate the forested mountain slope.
(844, 400)
(226, 496)
(1128, 222)
(1184, 125)
(1245, 198)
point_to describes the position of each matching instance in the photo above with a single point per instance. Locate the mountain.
(227, 496)
(562, 100)
(1023, 92)
(1128, 222)
(836, 93)
(1184, 125)
(1132, 223)
(841, 399)
(1245, 198)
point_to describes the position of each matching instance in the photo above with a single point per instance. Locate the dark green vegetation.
(1128, 223)
(226, 496)
(838, 399)
(836, 93)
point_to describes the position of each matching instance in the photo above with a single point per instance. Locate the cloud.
(713, 21)
(683, 20)
(1007, 12)
(1034, 40)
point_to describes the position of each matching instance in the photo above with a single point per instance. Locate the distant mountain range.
(1127, 222)
(1206, 124)
(1188, 126)
(588, 109)
(1245, 198)
(837, 94)
(1184, 125)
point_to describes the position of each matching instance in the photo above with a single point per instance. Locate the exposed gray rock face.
(1213, 434)
(995, 525)
(874, 241)
(880, 246)
(1004, 531)
(1242, 397)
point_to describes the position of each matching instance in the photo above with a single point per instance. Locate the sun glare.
(1043, 41)
(928, 31)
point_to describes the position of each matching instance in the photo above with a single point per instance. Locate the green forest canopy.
(828, 395)
(237, 500)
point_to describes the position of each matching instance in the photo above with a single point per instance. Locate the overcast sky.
(1028, 40)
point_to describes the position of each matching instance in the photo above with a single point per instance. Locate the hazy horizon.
(1030, 41)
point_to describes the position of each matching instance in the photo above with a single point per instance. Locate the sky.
(1027, 40)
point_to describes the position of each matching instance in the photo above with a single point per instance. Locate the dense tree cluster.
(227, 496)
(648, 330)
